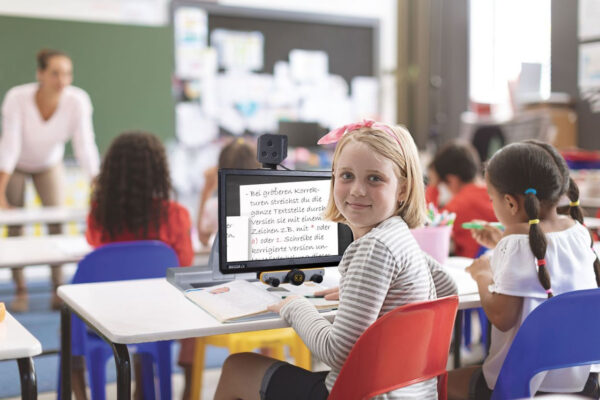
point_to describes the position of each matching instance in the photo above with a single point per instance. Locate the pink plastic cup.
(434, 240)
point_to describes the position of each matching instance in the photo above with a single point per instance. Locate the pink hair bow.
(335, 135)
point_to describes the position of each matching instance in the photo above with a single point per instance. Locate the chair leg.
(197, 369)
(483, 321)
(278, 351)
(467, 327)
(96, 367)
(301, 354)
(163, 364)
(443, 386)
(144, 379)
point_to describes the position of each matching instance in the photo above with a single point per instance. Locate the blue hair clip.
(531, 190)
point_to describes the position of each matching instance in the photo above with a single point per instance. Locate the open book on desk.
(240, 300)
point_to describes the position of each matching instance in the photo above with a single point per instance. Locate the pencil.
(475, 225)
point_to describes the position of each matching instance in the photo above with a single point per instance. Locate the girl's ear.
(512, 204)
(401, 193)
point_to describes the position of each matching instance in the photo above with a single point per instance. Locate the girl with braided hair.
(539, 254)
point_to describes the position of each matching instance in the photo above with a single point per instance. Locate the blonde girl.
(377, 190)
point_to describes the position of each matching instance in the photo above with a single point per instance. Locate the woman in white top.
(37, 120)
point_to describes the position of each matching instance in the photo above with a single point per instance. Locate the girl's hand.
(277, 307)
(329, 294)
(480, 269)
(488, 236)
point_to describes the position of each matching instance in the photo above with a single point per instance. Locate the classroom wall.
(564, 67)
(125, 69)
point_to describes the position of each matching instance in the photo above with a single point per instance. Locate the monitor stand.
(206, 275)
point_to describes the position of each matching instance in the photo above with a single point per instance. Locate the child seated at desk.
(237, 154)
(539, 254)
(131, 200)
(377, 190)
(457, 166)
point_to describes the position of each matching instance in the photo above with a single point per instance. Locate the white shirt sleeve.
(84, 144)
(10, 141)
(514, 269)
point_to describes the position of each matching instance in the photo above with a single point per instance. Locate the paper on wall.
(239, 50)
(191, 35)
(308, 66)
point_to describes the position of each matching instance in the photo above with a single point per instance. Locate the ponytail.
(537, 238)
(573, 195)
(576, 213)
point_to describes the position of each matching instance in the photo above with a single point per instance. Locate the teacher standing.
(37, 120)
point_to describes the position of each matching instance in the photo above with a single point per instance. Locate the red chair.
(408, 345)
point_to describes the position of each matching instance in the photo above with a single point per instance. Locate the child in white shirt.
(540, 254)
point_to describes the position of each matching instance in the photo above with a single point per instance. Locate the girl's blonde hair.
(404, 156)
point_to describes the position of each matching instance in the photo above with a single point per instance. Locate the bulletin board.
(351, 42)
(339, 55)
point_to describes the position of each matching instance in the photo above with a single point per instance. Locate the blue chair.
(118, 262)
(561, 332)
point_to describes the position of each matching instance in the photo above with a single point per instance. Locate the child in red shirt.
(131, 200)
(457, 166)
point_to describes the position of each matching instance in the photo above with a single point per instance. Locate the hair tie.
(574, 203)
(549, 291)
(534, 221)
(541, 262)
(531, 190)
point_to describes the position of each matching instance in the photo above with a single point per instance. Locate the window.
(503, 35)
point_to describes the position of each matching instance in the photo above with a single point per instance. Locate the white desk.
(22, 251)
(17, 343)
(43, 215)
(149, 310)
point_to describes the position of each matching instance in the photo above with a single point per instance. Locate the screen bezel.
(344, 233)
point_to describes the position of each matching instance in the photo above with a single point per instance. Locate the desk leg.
(123, 370)
(65, 353)
(457, 338)
(28, 382)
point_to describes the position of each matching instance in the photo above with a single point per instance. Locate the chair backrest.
(119, 262)
(126, 260)
(561, 332)
(408, 345)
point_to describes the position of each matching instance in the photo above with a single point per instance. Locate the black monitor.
(272, 220)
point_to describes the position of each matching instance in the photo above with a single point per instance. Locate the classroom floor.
(210, 380)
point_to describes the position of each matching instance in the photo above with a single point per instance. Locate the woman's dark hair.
(457, 158)
(44, 56)
(536, 165)
(133, 187)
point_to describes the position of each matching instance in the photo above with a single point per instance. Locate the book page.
(233, 300)
(285, 220)
(455, 267)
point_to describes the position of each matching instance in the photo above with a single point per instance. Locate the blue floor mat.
(44, 324)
